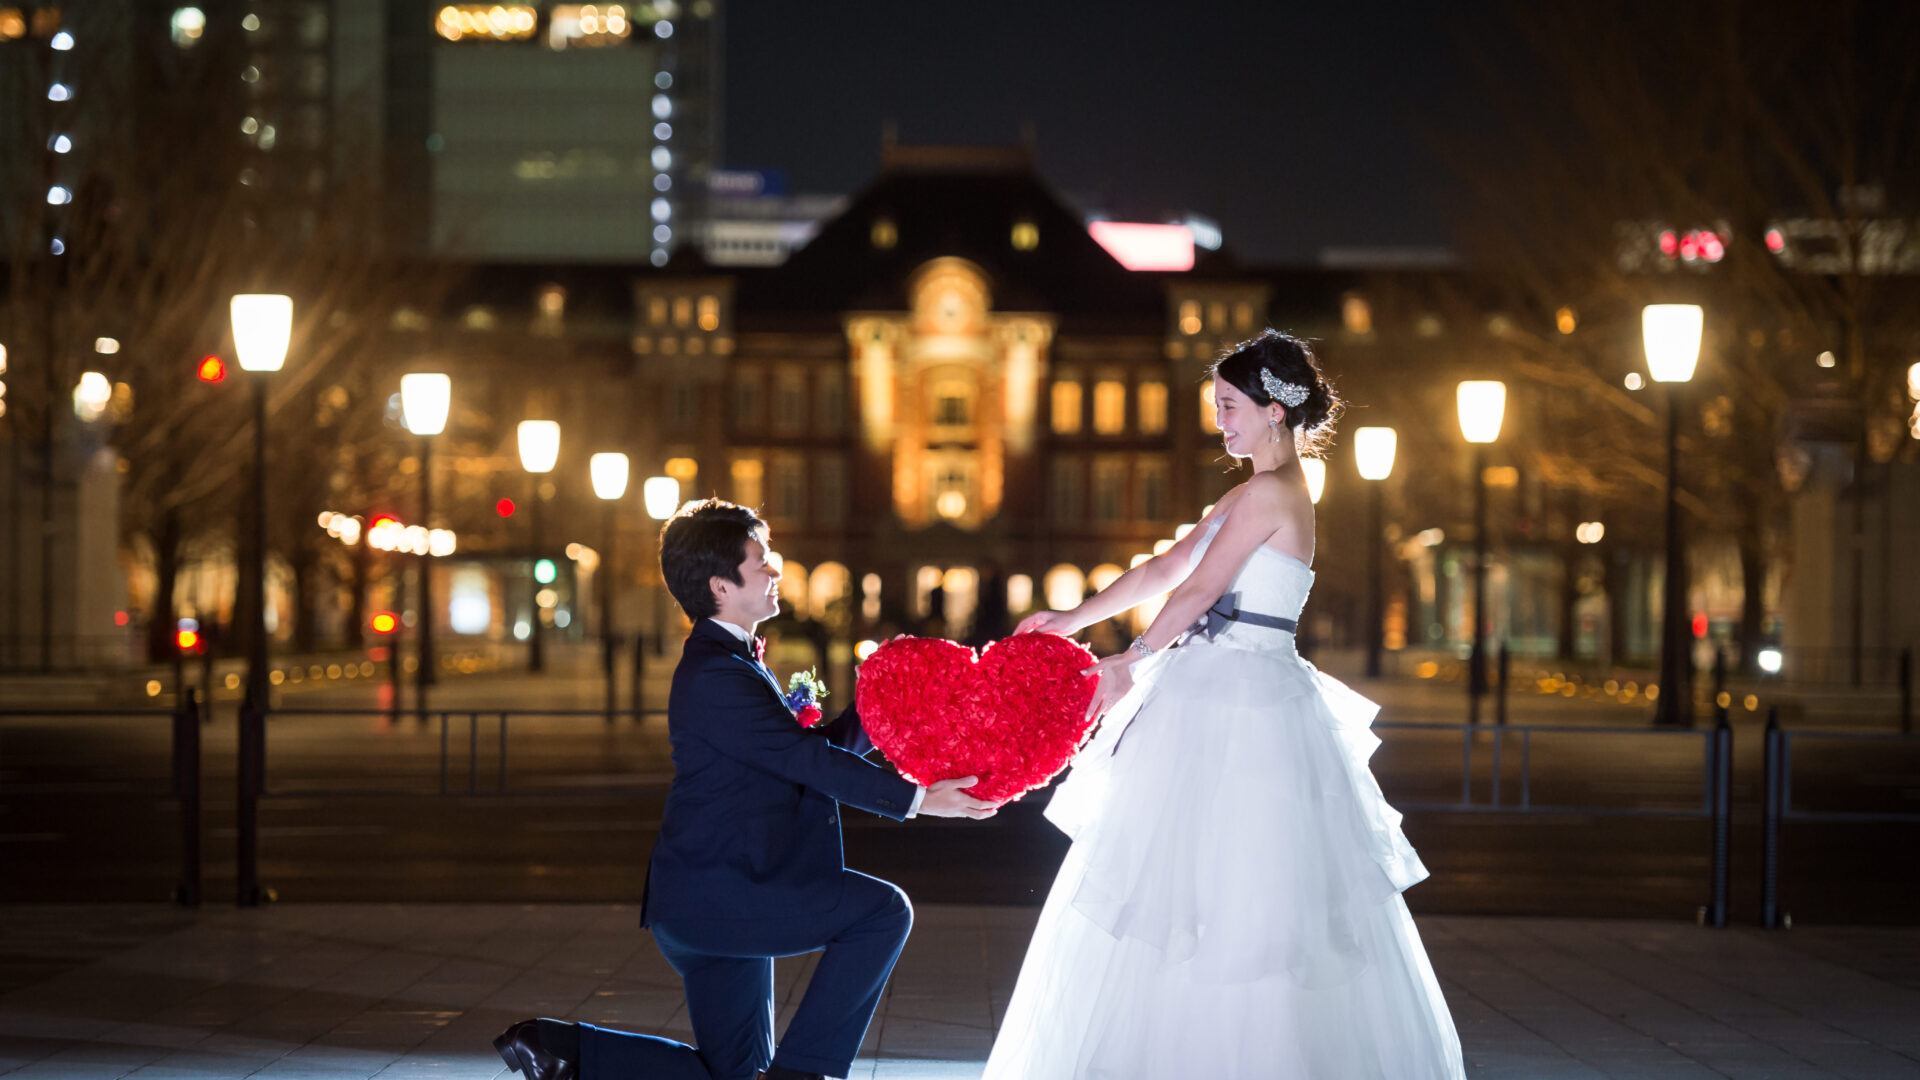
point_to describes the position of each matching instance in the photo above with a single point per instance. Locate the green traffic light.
(543, 571)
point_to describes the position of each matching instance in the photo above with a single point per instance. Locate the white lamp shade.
(1483, 404)
(662, 494)
(1671, 333)
(1316, 470)
(262, 327)
(424, 399)
(1373, 449)
(609, 473)
(539, 445)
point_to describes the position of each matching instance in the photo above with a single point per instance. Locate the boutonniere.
(805, 691)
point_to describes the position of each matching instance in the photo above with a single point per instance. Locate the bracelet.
(1140, 646)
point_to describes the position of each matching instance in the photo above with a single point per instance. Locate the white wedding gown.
(1231, 904)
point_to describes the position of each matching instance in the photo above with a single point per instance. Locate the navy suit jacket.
(752, 822)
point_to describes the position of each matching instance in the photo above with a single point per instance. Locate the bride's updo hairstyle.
(1291, 360)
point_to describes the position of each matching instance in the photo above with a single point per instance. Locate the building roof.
(964, 202)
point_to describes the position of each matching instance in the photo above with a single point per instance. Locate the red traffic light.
(504, 507)
(186, 640)
(212, 369)
(385, 622)
(382, 519)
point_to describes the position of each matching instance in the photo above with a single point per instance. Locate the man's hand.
(1047, 622)
(948, 798)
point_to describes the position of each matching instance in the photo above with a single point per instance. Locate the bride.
(1231, 904)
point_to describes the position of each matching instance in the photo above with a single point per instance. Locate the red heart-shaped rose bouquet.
(1012, 716)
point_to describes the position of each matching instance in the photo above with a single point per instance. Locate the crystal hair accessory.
(1286, 393)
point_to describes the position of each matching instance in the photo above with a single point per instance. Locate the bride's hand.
(1047, 622)
(1116, 678)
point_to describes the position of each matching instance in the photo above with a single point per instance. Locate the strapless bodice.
(1270, 583)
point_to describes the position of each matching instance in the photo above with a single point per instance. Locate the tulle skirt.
(1231, 904)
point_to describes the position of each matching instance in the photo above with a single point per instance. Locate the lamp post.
(262, 329)
(1671, 334)
(1373, 449)
(609, 473)
(662, 495)
(1482, 404)
(539, 449)
(424, 400)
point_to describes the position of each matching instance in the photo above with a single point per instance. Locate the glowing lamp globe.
(1483, 405)
(662, 495)
(609, 473)
(1316, 470)
(425, 398)
(539, 445)
(262, 328)
(1373, 449)
(1671, 333)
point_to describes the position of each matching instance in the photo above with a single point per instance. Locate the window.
(789, 488)
(1066, 587)
(682, 311)
(1150, 474)
(709, 313)
(1153, 408)
(830, 402)
(685, 470)
(657, 311)
(950, 408)
(1066, 407)
(1109, 488)
(830, 490)
(1109, 407)
(1242, 317)
(1066, 491)
(1189, 317)
(951, 405)
(1217, 316)
(1206, 410)
(790, 400)
(748, 472)
(1355, 313)
(746, 397)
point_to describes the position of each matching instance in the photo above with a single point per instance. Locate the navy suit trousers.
(726, 966)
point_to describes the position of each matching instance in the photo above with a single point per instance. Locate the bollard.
(250, 782)
(186, 788)
(1770, 810)
(1500, 702)
(1721, 759)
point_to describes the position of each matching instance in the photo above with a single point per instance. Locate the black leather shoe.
(523, 1050)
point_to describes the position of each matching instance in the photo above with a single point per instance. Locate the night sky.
(1296, 126)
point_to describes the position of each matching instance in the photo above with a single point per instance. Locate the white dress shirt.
(919, 793)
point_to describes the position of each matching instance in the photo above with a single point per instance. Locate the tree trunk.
(166, 558)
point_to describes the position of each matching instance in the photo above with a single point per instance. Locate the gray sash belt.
(1227, 609)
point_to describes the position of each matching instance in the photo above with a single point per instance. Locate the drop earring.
(1273, 429)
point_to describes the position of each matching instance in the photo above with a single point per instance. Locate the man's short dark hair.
(706, 540)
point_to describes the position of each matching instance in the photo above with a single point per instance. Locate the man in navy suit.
(748, 865)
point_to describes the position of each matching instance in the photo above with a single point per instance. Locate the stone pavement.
(345, 991)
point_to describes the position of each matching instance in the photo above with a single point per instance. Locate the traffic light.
(212, 369)
(385, 622)
(504, 507)
(186, 636)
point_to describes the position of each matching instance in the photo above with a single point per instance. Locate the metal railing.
(183, 777)
(1776, 802)
(1716, 784)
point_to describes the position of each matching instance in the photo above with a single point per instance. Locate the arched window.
(1066, 587)
(829, 585)
(793, 589)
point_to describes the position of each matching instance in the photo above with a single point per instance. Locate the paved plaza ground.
(343, 991)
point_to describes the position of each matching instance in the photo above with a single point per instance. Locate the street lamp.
(262, 330)
(609, 473)
(1671, 333)
(1373, 449)
(424, 400)
(1315, 470)
(539, 449)
(1482, 405)
(662, 495)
